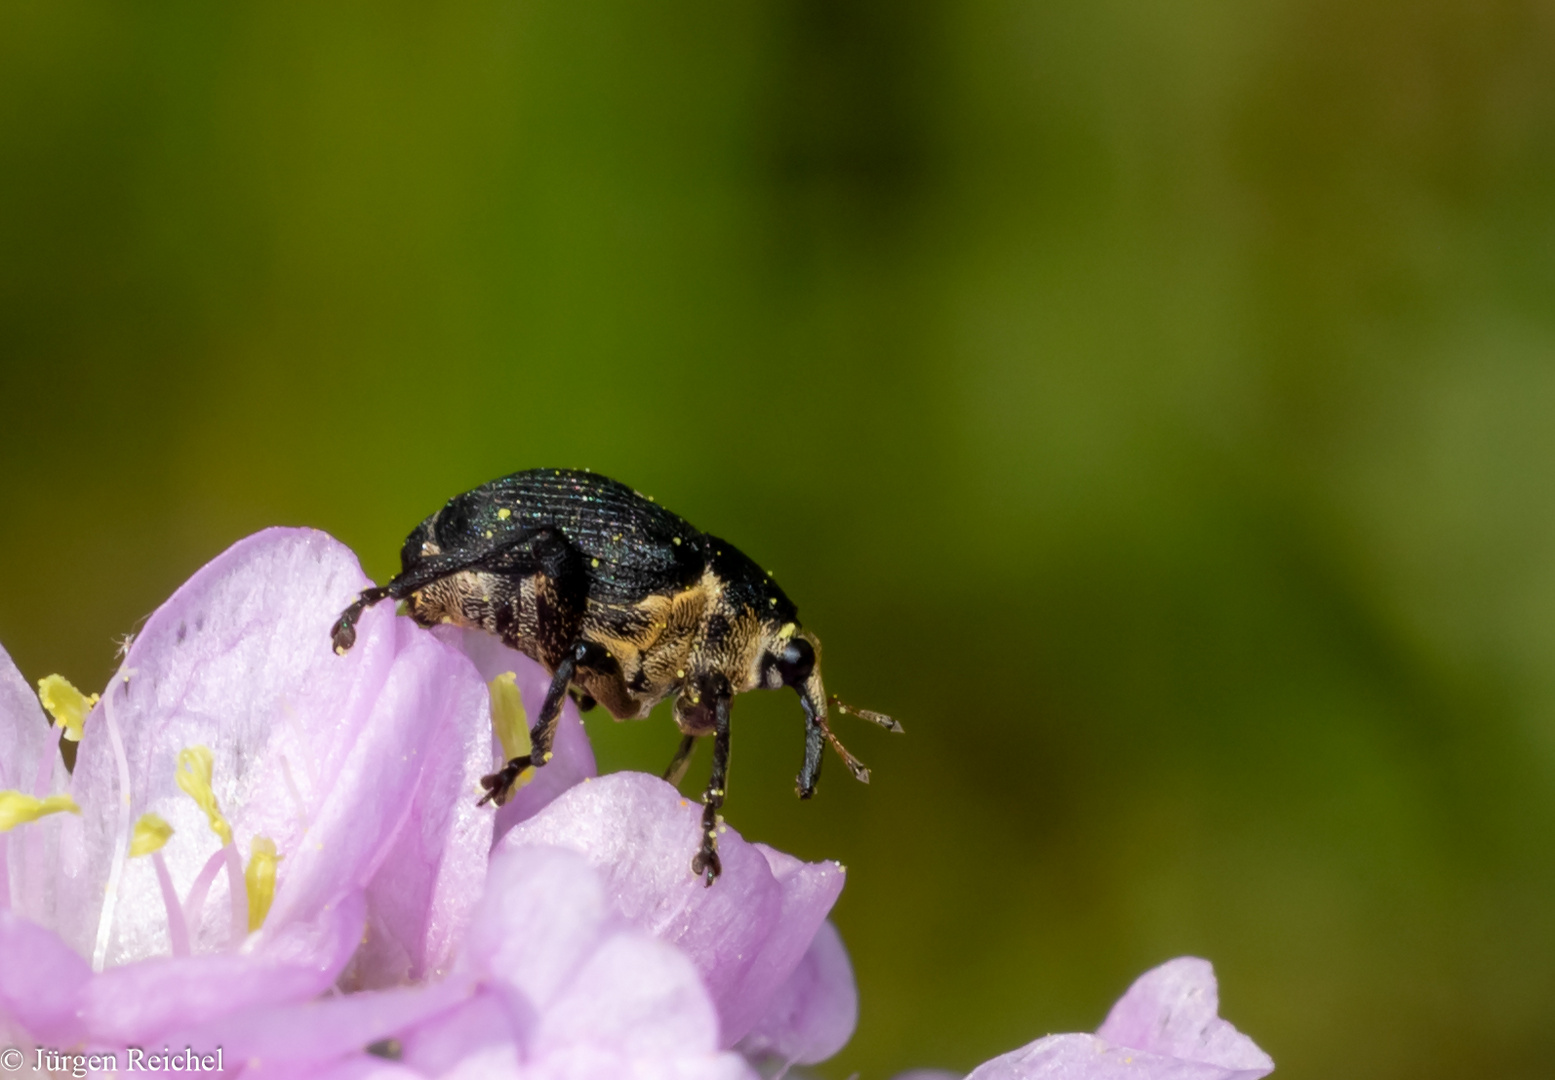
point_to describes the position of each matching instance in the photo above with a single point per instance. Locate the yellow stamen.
(151, 832)
(510, 723)
(67, 705)
(194, 776)
(259, 880)
(18, 809)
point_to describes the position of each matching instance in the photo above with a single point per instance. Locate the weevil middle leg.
(682, 759)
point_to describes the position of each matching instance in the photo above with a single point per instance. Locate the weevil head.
(791, 657)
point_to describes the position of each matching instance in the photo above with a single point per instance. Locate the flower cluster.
(275, 851)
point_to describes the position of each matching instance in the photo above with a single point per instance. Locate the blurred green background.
(1151, 404)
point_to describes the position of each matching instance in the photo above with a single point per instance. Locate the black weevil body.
(625, 604)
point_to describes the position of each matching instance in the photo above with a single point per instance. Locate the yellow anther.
(504, 514)
(594, 562)
(194, 775)
(680, 673)
(67, 705)
(151, 832)
(17, 808)
(509, 722)
(675, 540)
(259, 880)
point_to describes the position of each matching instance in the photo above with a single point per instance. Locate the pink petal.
(745, 935)
(323, 754)
(41, 981)
(813, 1014)
(572, 989)
(482, 1024)
(1086, 1057)
(596, 1063)
(25, 738)
(28, 749)
(315, 1031)
(1164, 1028)
(423, 894)
(543, 914)
(140, 1003)
(635, 996)
(359, 1067)
(573, 756)
(1172, 1010)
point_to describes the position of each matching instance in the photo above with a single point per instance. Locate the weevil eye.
(796, 663)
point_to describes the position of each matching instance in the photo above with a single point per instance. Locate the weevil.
(625, 604)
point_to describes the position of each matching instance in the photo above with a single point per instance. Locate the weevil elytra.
(625, 604)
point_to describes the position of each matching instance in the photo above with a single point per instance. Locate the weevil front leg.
(707, 865)
(499, 784)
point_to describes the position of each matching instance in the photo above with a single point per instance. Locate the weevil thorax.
(778, 652)
(447, 600)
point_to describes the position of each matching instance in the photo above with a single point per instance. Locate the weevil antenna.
(817, 734)
(894, 726)
(859, 770)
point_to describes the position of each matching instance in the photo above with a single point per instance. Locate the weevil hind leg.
(681, 761)
(499, 785)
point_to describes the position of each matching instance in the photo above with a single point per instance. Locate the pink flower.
(1166, 1027)
(552, 982)
(232, 722)
(775, 971)
(327, 758)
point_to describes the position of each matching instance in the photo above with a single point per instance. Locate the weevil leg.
(499, 784)
(343, 634)
(682, 759)
(707, 865)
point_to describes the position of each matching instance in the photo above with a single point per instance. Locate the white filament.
(122, 847)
